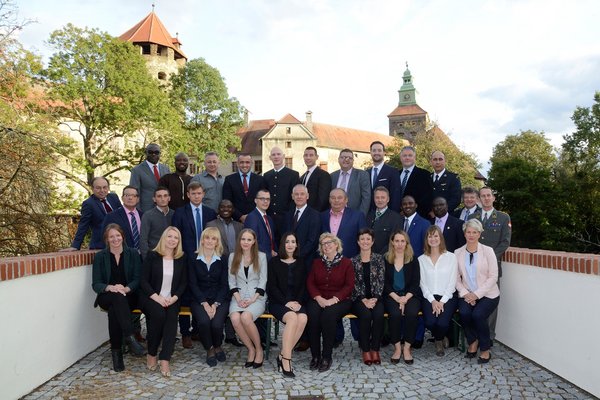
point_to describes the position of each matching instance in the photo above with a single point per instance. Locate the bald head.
(277, 158)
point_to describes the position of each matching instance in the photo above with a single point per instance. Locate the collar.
(206, 173)
(194, 207)
(247, 174)
(301, 209)
(439, 174)
(409, 169)
(262, 213)
(331, 212)
(163, 212)
(152, 165)
(311, 169)
(212, 260)
(383, 210)
(278, 170)
(378, 166)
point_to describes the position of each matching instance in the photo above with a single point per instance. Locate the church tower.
(408, 119)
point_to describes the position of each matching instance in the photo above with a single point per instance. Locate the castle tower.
(408, 119)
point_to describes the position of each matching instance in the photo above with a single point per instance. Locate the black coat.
(319, 186)
(152, 275)
(412, 278)
(277, 281)
(205, 284)
(234, 190)
(383, 227)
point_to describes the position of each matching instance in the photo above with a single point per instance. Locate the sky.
(483, 69)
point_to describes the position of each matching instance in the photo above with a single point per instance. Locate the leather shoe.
(394, 360)
(314, 363)
(375, 357)
(220, 354)
(134, 346)
(366, 356)
(186, 342)
(470, 354)
(117, 359)
(302, 346)
(139, 337)
(325, 365)
(481, 360)
(234, 342)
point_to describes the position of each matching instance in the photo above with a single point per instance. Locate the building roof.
(412, 109)
(289, 119)
(339, 137)
(252, 133)
(151, 30)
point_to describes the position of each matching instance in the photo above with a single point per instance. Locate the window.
(288, 145)
(288, 130)
(289, 162)
(234, 167)
(145, 49)
(258, 166)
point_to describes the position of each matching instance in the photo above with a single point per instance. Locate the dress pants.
(402, 327)
(475, 320)
(439, 325)
(370, 325)
(119, 309)
(323, 321)
(210, 330)
(162, 326)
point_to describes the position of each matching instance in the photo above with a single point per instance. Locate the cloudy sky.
(482, 69)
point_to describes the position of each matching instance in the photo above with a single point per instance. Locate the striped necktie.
(135, 231)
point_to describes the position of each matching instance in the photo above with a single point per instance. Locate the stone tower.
(408, 119)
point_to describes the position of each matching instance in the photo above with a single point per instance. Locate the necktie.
(156, 174)
(436, 178)
(107, 206)
(406, 225)
(467, 213)
(198, 225)
(485, 217)
(377, 215)
(375, 172)
(269, 231)
(135, 231)
(296, 216)
(404, 179)
(245, 183)
(343, 181)
(305, 177)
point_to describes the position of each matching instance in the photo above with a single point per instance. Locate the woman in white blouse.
(438, 283)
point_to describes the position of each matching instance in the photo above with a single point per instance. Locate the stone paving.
(507, 376)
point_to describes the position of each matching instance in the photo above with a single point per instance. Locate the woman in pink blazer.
(477, 285)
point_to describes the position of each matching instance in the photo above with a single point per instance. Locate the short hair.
(470, 189)
(347, 151)
(376, 142)
(312, 148)
(487, 187)
(94, 179)
(131, 187)
(300, 186)
(159, 188)
(210, 153)
(225, 202)
(243, 155)
(263, 191)
(437, 151)
(181, 153)
(365, 231)
(430, 231)
(152, 144)
(473, 223)
(116, 227)
(409, 253)
(161, 247)
(339, 190)
(381, 189)
(282, 252)
(331, 236)
(195, 185)
(411, 148)
(211, 231)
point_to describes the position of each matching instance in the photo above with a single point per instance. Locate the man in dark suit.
(305, 222)
(146, 175)
(451, 226)
(128, 217)
(343, 222)
(241, 187)
(93, 211)
(413, 224)
(383, 220)
(262, 224)
(355, 182)
(317, 181)
(445, 183)
(280, 182)
(381, 174)
(414, 181)
(470, 198)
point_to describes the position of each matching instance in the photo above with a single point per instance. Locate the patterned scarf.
(329, 264)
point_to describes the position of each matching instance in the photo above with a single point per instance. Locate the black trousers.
(322, 322)
(119, 309)
(210, 330)
(162, 327)
(402, 327)
(475, 320)
(370, 325)
(439, 325)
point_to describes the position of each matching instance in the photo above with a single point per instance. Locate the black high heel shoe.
(290, 373)
(249, 364)
(471, 354)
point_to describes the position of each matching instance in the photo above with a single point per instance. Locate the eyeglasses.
(156, 152)
(263, 198)
(327, 242)
(130, 195)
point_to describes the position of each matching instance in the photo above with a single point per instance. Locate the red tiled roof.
(412, 109)
(252, 133)
(151, 30)
(289, 119)
(339, 137)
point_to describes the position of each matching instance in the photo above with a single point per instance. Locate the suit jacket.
(154, 223)
(256, 222)
(412, 279)
(142, 178)
(183, 219)
(92, 217)
(389, 178)
(416, 232)
(454, 236)
(220, 225)
(487, 272)
(256, 282)
(457, 213)
(101, 269)
(234, 190)
(152, 275)
(448, 186)
(307, 233)
(120, 217)
(359, 189)
(419, 187)
(280, 185)
(383, 227)
(376, 276)
(208, 284)
(496, 233)
(277, 281)
(352, 222)
(319, 186)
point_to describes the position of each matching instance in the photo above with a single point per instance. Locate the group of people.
(318, 246)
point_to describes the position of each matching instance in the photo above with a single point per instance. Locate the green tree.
(209, 117)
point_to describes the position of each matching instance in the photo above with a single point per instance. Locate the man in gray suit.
(145, 177)
(355, 182)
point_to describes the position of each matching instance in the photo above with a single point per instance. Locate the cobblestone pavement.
(507, 376)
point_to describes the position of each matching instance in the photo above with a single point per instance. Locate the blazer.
(220, 225)
(142, 178)
(256, 282)
(448, 186)
(208, 284)
(454, 236)
(337, 283)
(234, 190)
(120, 217)
(416, 232)
(319, 186)
(307, 233)
(389, 178)
(359, 189)
(280, 185)
(457, 213)
(377, 276)
(419, 187)
(496, 233)
(183, 219)
(152, 275)
(154, 223)
(352, 222)
(101, 269)
(412, 279)
(92, 217)
(277, 281)
(255, 221)
(487, 272)
(383, 227)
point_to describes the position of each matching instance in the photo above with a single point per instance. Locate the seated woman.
(438, 285)
(401, 292)
(478, 291)
(209, 290)
(164, 278)
(248, 281)
(330, 284)
(286, 285)
(115, 277)
(369, 276)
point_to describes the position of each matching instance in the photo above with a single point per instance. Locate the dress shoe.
(481, 360)
(249, 364)
(186, 342)
(375, 357)
(325, 365)
(256, 365)
(287, 373)
(220, 354)
(470, 354)
(211, 361)
(135, 347)
(439, 348)
(394, 360)
(366, 356)
(302, 346)
(117, 360)
(314, 363)
(139, 337)
(234, 342)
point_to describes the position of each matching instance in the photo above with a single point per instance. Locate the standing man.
(383, 220)
(317, 181)
(445, 183)
(145, 176)
(343, 222)
(414, 181)
(127, 217)
(93, 211)
(241, 187)
(280, 182)
(384, 175)
(305, 222)
(156, 220)
(262, 224)
(470, 198)
(211, 180)
(355, 182)
(413, 224)
(450, 226)
(177, 182)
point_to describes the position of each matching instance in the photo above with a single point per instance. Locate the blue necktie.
(198, 225)
(135, 231)
(404, 179)
(374, 177)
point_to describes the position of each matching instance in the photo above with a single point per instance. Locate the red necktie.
(156, 174)
(269, 230)
(107, 206)
(245, 184)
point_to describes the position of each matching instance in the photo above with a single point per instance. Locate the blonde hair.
(409, 253)
(213, 232)
(238, 254)
(161, 247)
(330, 235)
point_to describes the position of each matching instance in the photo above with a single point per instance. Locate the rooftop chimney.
(308, 122)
